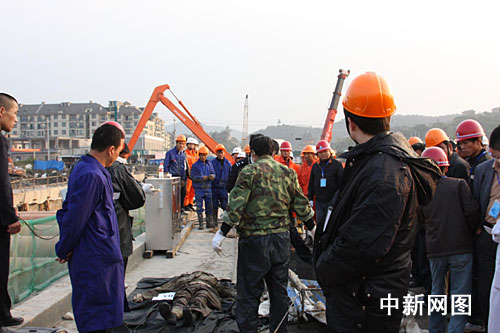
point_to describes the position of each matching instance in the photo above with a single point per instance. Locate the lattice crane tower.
(244, 136)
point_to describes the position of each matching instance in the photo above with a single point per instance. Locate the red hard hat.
(286, 146)
(436, 154)
(469, 129)
(322, 145)
(115, 124)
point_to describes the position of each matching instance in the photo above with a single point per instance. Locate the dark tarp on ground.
(144, 317)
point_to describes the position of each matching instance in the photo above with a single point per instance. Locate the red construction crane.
(189, 120)
(332, 111)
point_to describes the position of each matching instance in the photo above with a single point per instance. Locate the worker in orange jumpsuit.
(285, 158)
(308, 159)
(191, 157)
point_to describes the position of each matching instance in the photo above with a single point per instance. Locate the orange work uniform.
(289, 163)
(303, 175)
(191, 157)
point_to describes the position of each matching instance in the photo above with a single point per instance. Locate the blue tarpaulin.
(49, 165)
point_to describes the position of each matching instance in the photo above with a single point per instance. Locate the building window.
(55, 124)
(94, 123)
(93, 116)
(55, 117)
(56, 132)
(63, 116)
(72, 117)
(63, 124)
(63, 132)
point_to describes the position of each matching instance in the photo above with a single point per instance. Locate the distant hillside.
(409, 125)
(180, 128)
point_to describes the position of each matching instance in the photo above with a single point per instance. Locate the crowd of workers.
(397, 213)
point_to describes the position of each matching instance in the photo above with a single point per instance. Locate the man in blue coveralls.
(89, 239)
(222, 168)
(176, 164)
(202, 174)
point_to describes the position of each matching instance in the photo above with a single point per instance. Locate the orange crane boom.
(189, 120)
(332, 111)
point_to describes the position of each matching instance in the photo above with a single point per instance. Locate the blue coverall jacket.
(89, 230)
(175, 163)
(198, 170)
(221, 174)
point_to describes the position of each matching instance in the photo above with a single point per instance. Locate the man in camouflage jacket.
(259, 207)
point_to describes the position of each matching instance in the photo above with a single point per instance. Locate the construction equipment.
(332, 110)
(244, 134)
(187, 119)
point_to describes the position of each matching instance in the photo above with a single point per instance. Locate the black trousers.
(421, 268)
(303, 251)
(486, 250)
(5, 302)
(262, 258)
(351, 308)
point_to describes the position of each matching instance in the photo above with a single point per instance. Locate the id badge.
(322, 182)
(495, 210)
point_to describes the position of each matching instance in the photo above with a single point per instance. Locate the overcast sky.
(440, 57)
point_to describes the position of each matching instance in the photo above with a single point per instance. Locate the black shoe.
(188, 317)
(12, 321)
(166, 313)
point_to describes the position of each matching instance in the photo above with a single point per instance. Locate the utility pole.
(48, 137)
(173, 138)
(244, 136)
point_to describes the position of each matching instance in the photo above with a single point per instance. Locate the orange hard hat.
(436, 154)
(322, 145)
(247, 149)
(180, 138)
(203, 150)
(309, 149)
(220, 147)
(469, 129)
(369, 95)
(435, 136)
(413, 140)
(285, 145)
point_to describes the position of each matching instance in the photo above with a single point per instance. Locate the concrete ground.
(195, 254)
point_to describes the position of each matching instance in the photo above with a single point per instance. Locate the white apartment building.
(67, 128)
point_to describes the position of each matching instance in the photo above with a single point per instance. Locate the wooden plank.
(188, 229)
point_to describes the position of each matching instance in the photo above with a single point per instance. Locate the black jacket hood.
(424, 171)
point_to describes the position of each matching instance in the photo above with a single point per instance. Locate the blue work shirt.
(89, 230)
(221, 173)
(198, 170)
(175, 163)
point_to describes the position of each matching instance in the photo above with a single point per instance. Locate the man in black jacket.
(324, 180)
(362, 250)
(451, 219)
(486, 191)
(128, 194)
(9, 222)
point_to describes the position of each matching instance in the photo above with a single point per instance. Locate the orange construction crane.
(332, 111)
(189, 120)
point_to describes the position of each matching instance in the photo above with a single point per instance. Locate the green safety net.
(32, 259)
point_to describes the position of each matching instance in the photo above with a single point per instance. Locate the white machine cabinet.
(163, 215)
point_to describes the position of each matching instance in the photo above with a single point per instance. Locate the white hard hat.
(236, 150)
(191, 140)
(242, 154)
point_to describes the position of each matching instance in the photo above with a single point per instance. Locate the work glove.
(312, 232)
(211, 177)
(217, 241)
(311, 203)
(148, 188)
